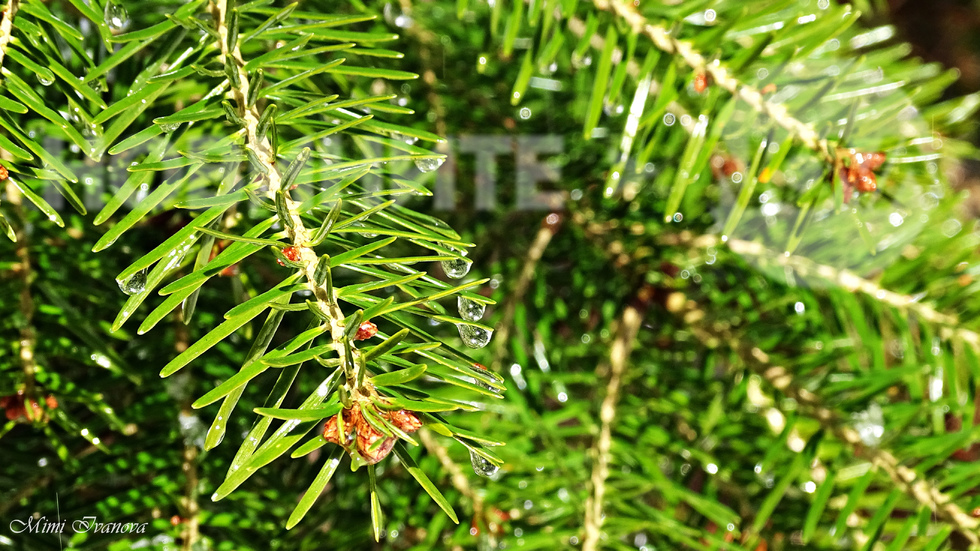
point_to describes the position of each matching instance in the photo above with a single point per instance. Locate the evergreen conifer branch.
(661, 38)
(534, 253)
(714, 335)
(783, 380)
(619, 353)
(28, 336)
(190, 508)
(845, 279)
(951, 325)
(860, 345)
(263, 149)
(7, 27)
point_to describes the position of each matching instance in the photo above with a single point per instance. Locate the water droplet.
(482, 466)
(44, 81)
(429, 164)
(470, 310)
(870, 424)
(116, 16)
(90, 131)
(456, 268)
(360, 230)
(473, 336)
(135, 284)
(168, 128)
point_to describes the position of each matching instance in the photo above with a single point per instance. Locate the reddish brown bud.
(701, 82)
(291, 252)
(365, 331)
(51, 401)
(405, 420)
(866, 181)
(372, 445)
(363, 439)
(3, 173)
(870, 161)
(331, 429)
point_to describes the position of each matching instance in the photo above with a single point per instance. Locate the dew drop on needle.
(116, 16)
(456, 267)
(135, 284)
(470, 310)
(473, 336)
(482, 466)
(429, 164)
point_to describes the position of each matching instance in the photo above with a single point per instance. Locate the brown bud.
(701, 81)
(365, 331)
(405, 420)
(866, 181)
(368, 439)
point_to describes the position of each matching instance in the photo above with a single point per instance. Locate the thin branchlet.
(263, 151)
(662, 39)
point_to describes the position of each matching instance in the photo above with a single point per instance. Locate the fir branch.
(516, 296)
(949, 323)
(28, 337)
(779, 378)
(190, 509)
(663, 40)
(904, 478)
(846, 279)
(7, 27)
(622, 346)
(263, 149)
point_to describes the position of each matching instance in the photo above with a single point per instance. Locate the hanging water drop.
(168, 128)
(44, 81)
(364, 233)
(481, 383)
(470, 310)
(429, 164)
(116, 16)
(135, 284)
(473, 336)
(456, 268)
(482, 466)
